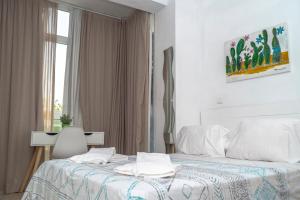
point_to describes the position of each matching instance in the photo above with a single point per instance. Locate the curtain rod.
(78, 7)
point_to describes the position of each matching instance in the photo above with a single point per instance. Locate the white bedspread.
(198, 178)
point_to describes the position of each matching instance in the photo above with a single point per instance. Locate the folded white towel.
(91, 158)
(118, 158)
(127, 169)
(109, 150)
(153, 164)
(95, 156)
(149, 165)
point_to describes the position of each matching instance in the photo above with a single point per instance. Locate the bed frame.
(229, 116)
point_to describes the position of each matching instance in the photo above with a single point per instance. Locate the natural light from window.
(63, 23)
(63, 18)
(60, 65)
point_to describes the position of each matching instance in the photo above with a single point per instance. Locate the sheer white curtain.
(49, 64)
(71, 86)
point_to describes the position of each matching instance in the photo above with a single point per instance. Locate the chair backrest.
(71, 141)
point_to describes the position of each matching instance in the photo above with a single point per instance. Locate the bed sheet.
(198, 177)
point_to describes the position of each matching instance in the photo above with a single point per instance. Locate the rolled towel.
(95, 156)
(149, 165)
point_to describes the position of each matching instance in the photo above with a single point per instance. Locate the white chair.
(71, 141)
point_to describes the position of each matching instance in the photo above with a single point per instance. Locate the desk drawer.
(40, 138)
(96, 138)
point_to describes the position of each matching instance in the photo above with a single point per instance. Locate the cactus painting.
(258, 54)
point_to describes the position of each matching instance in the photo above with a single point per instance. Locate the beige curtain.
(116, 130)
(137, 82)
(101, 61)
(21, 72)
(113, 70)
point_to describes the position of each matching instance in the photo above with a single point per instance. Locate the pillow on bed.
(294, 145)
(215, 140)
(190, 140)
(197, 140)
(266, 140)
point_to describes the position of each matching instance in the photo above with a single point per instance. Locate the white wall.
(188, 62)
(202, 27)
(225, 20)
(164, 38)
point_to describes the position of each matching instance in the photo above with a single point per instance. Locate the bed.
(198, 177)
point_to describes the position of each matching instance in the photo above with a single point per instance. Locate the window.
(63, 19)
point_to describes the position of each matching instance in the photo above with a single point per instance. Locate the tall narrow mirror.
(168, 100)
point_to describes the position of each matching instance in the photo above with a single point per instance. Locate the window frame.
(63, 39)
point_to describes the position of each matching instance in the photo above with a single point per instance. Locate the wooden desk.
(42, 141)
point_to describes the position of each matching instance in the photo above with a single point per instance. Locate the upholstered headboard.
(229, 116)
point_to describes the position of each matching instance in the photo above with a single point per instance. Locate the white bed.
(199, 177)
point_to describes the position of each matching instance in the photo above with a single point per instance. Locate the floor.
(16, 196)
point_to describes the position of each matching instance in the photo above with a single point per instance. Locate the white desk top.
(40, 138)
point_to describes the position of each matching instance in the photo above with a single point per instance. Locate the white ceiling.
(118, 8)
(102, 6)
(151, 6)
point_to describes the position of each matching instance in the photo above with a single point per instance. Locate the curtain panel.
(113, 71)
(49, 42)
(22, 25)
(137, 82)
(101, 65)
(71, 84)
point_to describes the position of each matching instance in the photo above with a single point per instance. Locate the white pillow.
(190, 140)
(294, 144)
(215, 140)
(197, 140)
(265, 139)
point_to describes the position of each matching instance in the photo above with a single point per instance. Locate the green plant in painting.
(267, 50)
(247, 60)
(261, 58)
(239, 49)
(276, 47)
(228, 67)
(256, 53)
(65, 120)
(233, 60)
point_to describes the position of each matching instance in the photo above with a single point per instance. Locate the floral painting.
(258, 54)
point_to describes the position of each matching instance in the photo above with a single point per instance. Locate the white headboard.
(231, 115)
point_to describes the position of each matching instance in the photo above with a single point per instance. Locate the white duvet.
(201, 178)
